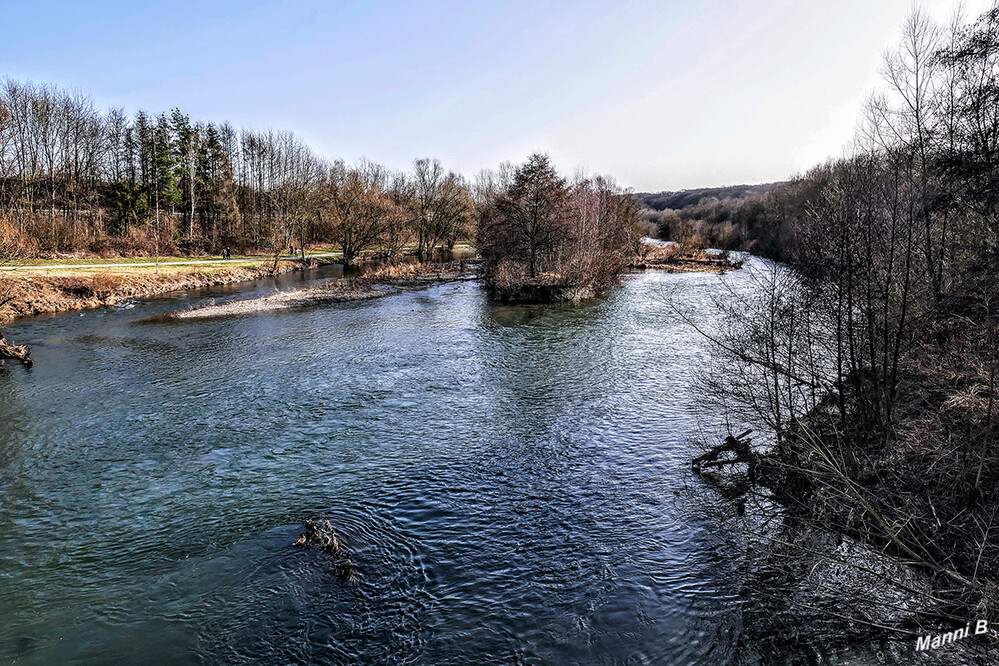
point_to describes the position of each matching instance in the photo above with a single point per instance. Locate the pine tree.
(205, 177)
(185, 148)
(165, 190)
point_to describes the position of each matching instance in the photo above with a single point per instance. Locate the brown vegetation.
(872, 357)
(420, 274)
(40, 292)
(545, 240)
(683, 258)
(11, 249)
(685, 199)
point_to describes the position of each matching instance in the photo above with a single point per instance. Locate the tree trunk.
(301, 239)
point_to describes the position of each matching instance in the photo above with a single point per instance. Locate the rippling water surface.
(504, 477)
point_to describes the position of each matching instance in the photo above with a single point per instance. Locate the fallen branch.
(319, 535)
(15, 352)
(738, 445)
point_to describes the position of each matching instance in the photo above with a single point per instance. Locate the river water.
(505, 478)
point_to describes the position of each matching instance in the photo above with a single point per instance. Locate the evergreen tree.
(533, 210)
(166, 191)
(205, 178)
(185, 153)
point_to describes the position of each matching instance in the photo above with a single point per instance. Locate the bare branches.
(439, 207)
(543, 237)
(873, 355)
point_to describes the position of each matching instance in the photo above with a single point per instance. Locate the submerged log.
(319, 535)
(738, 445)
(16, 352)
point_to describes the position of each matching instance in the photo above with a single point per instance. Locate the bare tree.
(871, 355)
(358, 209)
(440, 207)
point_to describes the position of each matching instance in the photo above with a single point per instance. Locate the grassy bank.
(76, 262)
(64, 283)
(43, 291)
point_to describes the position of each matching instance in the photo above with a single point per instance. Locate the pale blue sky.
(661, 95)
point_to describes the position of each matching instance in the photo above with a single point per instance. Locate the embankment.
(676, 259)
(57, 291)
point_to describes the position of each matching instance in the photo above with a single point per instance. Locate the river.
(505, 478)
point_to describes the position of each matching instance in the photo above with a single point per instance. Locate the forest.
(75, 179)
(871, 351)
(78, 179)
(682, 199)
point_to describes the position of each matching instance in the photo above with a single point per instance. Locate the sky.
(660, 95)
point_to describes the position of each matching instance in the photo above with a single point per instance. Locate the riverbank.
(545, 290)
(676, 259)
(511, 287)
(914, 478)
(41, 292)
(77, 264)
(378, 283)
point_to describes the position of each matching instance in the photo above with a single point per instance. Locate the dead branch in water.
(737, 445)
(320, 535)
(15, 352)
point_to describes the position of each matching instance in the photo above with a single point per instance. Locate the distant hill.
(688, 198)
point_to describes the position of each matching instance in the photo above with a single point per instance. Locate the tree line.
(872, 351)
(76, 178)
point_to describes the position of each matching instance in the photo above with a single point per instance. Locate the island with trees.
(865, 353)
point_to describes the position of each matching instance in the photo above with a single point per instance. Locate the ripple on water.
(502, 476)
